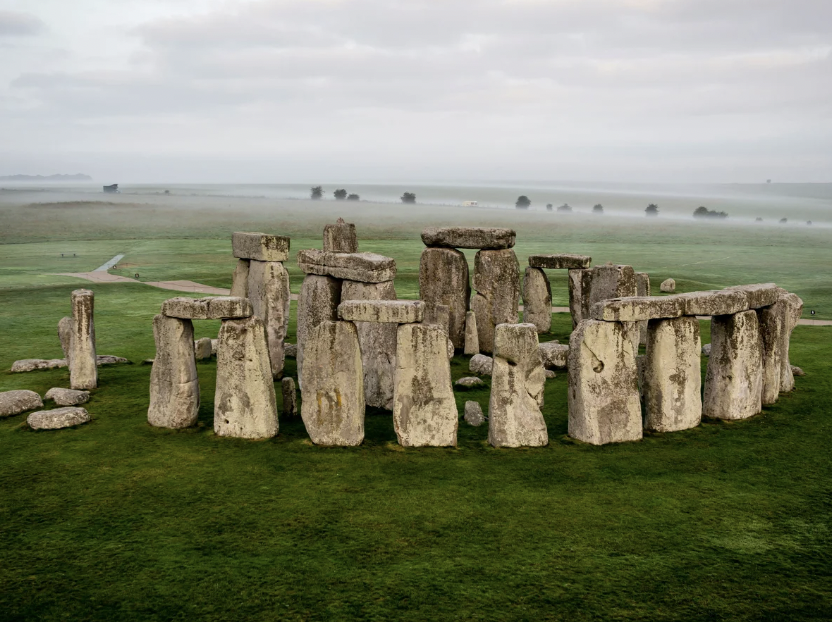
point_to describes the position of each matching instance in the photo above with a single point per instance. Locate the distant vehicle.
(112, 189)
(469, 204)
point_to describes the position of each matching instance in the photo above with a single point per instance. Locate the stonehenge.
(497, 299)
(174, 386)
(79, 337)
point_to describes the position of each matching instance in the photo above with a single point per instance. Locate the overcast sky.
(417, 90)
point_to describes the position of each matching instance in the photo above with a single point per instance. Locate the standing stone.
(668, 286)
(575, 299)
(83, 374)
(268, 290)
(332, 387)
(497, 282)
(424, 409)
(438, 315)
(603, 395)
(537, 299)
(290, 397)
(443, 280)
(473, 414)
(672, 377)
(65, 335)
(244, 404)
(642, 289)
(340, 237)
(472, 342)
(239, 282)
(605, 282)
(795, 310)
(318, 302)
(517, 383)
(772, 322)
(202, 349)
(174, 386)
(734, 380)
(378, 344)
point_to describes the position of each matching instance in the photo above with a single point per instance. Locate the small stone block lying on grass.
(469, 237)
(25, 365)
(706, 349)
(668, 286)
(260, 246)
(202, 349)
(109, 359)
(715, 302)
(473, 414)
(480, 364)
(549, 374)
(363, 267)
(469, 382)
(638, 309)
(58, 418)
(797, 371)
(385, 311)
(759, 295)
(562, 261)
(290, 350)
(554, 354)
(67, 397)
(16, 402)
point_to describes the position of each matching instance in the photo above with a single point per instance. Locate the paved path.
(110, 263)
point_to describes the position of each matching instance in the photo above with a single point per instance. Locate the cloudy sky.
(417, 90)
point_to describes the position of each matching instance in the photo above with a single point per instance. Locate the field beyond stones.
(116, 520)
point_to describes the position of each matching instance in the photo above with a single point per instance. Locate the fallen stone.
(473, 414)
(67, 397)
(260, 246)
(340, 237)
(469, 382)
(549, 374)
(562, 261)
(148, 361)
(797, 371)
(604, 283)
(202, 349)
(706, 349)
(382, 311)
(638, 309)
(317, 303)
(759, 295)
(25, 365)
(469, 237)
(174, 386)
(58, 418)
(554, 354)
(537, 299)
(16, 402)
(363, 267)
(497, 282)
(794, 307)
(472, 342)
(83, 373)
(290, 397)
(716, 302)
(109, 359)
(480, 364)
(290, 350)
(268, 291)
(443, 280)
(239, 282)
(668, 286)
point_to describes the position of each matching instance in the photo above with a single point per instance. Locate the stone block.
(16, 402)
(759, 295)
(554, 355)
(363, 267)
(382, 311)
(772, 321)
(83, 373)
(340, 237)
(469, 382)
(638, 309)
(185, 308)
(443, 280)
(481, 364)
(58, 418)
(290, 397)
(537, 299)
(65, 337)
(497, 282)
(469, 237)
(202, 349)
(794, 310)
(603, 283)
(668, 286)
(642, 289)
(260, 246)
(438, 315)
(174, 386)
(268, 291)
(230, 307)
(25, 365)
(473, 414)
(714, 302)
(317, 303)
(239, 281)
(562, 261)
(472, 342)
(67, 397)
(575, 296)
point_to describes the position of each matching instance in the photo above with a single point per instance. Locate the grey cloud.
(13, 24)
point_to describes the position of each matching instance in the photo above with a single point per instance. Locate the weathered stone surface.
(58, 418)
(450, 349)
(759, 295)
(65, 337)
(244, 403)
(480, 364)
(186, 308)
(642, 289)
(174, 386)
(603, 283)
(332, 387)
(317, 303)
(378, 343)
(424, 409)
(67, 397)
(16, 402)
(772, 321)
(668, 286)
(472, 341)
(469, 382)
(24, 365)
(231, 307)
(268, 291)
(497, 282)
(795, 310)
(148, 361)
(214, 343)
(575, 295)
(734, 380)
(290, 350)
(706, 349)
(562, 261)
(603, 395)
(443, 280)
(340, 237)
(797, 371)
(469, 237)
(672, 375)
(382, 311)
(554, 354)
(473, 414)
(517, 383)
(638, 308)
(260, 246)
(549, 374)
(537, 299)
(202, 349)
(239, 282)
(714, 302)
(438, 315)
(109, 359)
(83, 373)
(290, 397)
(363, 267)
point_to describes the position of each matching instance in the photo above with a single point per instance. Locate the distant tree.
(704, 212)
(598, 209)
(408, 197)
(808, 222)
(565, 208)
(652, 210)
(758, 219)
(317, 192)
(549, 206)
(353, 197)
(522, 202)
(783, 221)
(340, 194)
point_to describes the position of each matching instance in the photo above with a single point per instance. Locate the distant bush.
(549, 207)
(597, 209)
(353, 197)
(565, 208)
(704, 212)
(759, 219)
(317, 192)
(783, 221)
(523, 202)
(652, 210)
(408, 197)
(340, 194)
(808, 222)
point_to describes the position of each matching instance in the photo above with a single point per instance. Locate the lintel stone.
(759, 295)
(385, 311)
(469, 237)
(260, 246)
(638, 308)
(561, 261)
(362, 267)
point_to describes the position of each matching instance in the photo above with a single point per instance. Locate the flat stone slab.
(384, 311)
(638, 309)
(25, 365)
(759, 295)
(469, 237)
(16, 402)
(554, 354)
(469, 382)
(67, 397)
(218, 308)
(260, 246)
(362, 267)
(58, 418)
(561, 261)
(714, 302)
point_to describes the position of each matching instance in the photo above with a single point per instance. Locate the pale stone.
(797, 371)
(268, 291)
(549, 374)
(575, 280)
(734, 380)
(65, 337)
(260, 246)
(473, 414)
(378, 344)
(202, 349)
(438, 315)
(715, 302)
(317, 303)
(147, 361)
(424, 409)
(472, 342)
(668, 286)
(672, 375)
(795, 310)
(16, 402)
(67, 397)
(239, 282)
(290, 397)
(554, 354)
(537, 299)
(24, 365)
(364, 267)
(332, 387)
(58, 418)
(561, 261)
(603, 283)
(706, 349)
(214, 343)
(469, 237)
(603, 394)
(244, 403)
(517, 383)
(185, 308)
(497, 282)
(83, 374)
(469, 382)
(481, 364)
(759, 295)
(174, 386)
(290, 350)
(642, 289)
(109, 359)
(443, 280)
(340, 237)
(382, 311)
(450, 349)
(481, 308)
(772, 321)
(230, 307)
(638, 309)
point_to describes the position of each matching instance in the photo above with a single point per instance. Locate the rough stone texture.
(382, 311)
(706, 349)
(202, 349)
(469, 382)
(109, 359)
(481, 364)
(424, 410)
(83, 373)
(795, 310)
(443, 280)
(672, 375)
(772, 321)
(24, 365)
(290, 397)
(734, 380)
(217, 308)
(642, 289)
(58, 418)
(576, 304)
(537, 299)
(260, 246)
(563, 261)
(549, 374)
(67, 397)
(638, 309)
(230, 307)
(759, 295)
(603, 395)
(332, 387)
(473, 414)
(469, 237)
(317, 303)
(603, 283)
(268, 291)
(517, 383)
(239, 282)
(797, 371)
(340, 237)
(554, 354)
(378, 344)
(438, 315)
(214, 343)
(715, 302)
(450, 349)
(174, 386)
(668, 286)
(472, 341)
(65, 336)
(497, 282)
(16, 402)
(244, 403)
(364, 267)
(290, 350)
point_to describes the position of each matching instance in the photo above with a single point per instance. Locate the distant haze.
(425, 90)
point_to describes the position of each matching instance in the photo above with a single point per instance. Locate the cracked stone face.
(174, 386)
(443, 280)
(537, 299)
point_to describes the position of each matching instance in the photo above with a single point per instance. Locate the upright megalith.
(443, 280)
(424, 409)
(672, 377)
(472, 341)
(260, 246)
(65, 336)
(332, 387)
(517, 383)
(603, 397)
(642, 289)
(537, 299)
(574, 281)
(290, 396)
(772, 321)
(794, 309)
(83, 372)
(239, 281)
(174, 386)
(317, 303)
(605, 282)
(497, 283)
(733, 383)
(340, 237)
(268, 291)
